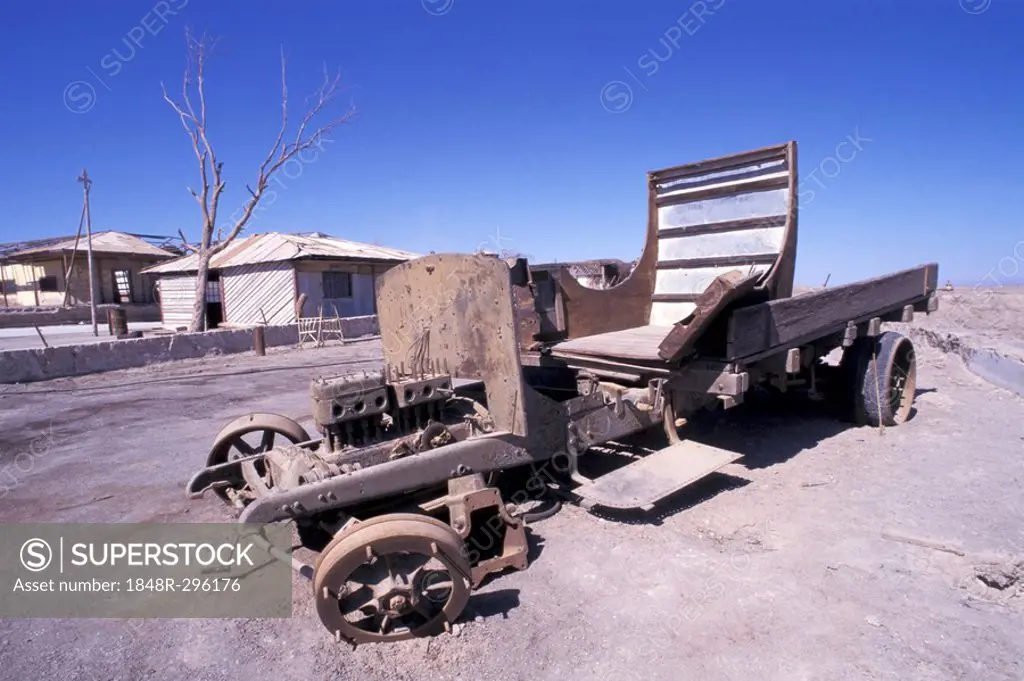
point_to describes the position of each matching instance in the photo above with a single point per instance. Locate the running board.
(656, 476)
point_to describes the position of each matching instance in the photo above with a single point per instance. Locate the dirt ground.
(777, 568)
(983, 317)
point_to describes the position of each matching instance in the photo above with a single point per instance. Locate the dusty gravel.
(775, 569)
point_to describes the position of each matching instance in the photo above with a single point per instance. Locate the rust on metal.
(492, 365)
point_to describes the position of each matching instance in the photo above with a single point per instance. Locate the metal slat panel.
(747, 242)
(667, 314)
(723, 226)
(738, 261)
(177, 297)
(255, 294)
(697, 279)
(722, 187)
(675, 297)
(727, 215)
(758, 204)
(725, 164)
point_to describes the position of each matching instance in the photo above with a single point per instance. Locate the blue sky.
(499, 124)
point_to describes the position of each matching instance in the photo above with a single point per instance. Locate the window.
(48, 284)
(337, 285)
(122, 286)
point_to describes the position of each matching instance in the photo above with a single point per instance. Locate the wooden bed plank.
(640, 343)
(789, 322)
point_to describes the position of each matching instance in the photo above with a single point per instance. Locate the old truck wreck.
(488, 370)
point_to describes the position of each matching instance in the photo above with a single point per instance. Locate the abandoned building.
(600, 274)
(55, 271)
(259, 280)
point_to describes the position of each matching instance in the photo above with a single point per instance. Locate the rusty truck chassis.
(486, 372)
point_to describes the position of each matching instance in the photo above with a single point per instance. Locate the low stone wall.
(357, 327)
(24, 366)
(12, 317)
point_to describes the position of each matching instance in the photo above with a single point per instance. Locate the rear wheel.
(881, 376)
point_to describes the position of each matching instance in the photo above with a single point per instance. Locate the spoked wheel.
(252, 434)
(391, 578)
(882, 373)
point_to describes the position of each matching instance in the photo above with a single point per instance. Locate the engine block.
(363, 409)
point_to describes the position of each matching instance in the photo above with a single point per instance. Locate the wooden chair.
(331, 328)
(311, 330)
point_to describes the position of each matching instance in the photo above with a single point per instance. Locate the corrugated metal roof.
(277, 247)
(102, 242)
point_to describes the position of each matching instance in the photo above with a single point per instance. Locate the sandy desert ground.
(776, 568)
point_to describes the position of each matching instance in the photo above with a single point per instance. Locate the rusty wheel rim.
(238, 447)
(902, 382)
(392, 578)
(249, 435)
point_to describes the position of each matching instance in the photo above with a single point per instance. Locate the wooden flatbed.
(710, 299)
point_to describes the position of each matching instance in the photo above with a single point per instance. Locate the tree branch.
(284, 118)
(186, 244)
(211, 168)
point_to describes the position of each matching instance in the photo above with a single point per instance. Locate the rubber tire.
(870, 364)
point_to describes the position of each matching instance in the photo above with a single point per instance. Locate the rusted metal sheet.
(456, 310)
(259, 294)
(118, 243)
(656, 476)
(277, 247)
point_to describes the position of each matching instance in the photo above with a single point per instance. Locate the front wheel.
(881, 372)
(391, 578)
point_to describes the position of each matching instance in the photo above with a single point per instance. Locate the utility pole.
(71, 266)
(87, 183)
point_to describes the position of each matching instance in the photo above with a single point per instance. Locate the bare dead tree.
(211, 168)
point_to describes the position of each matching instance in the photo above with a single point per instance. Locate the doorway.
(214, 301)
